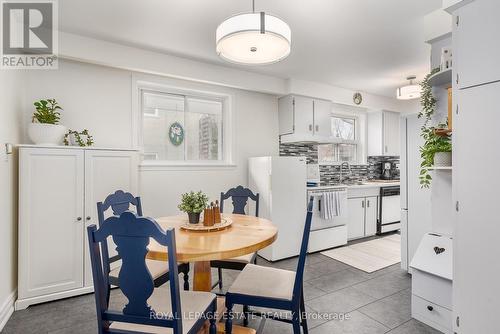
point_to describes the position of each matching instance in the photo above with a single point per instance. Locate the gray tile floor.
(339, 298)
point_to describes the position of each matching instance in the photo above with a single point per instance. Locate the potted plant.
(193, 204)
(44, 129)
(436, 152)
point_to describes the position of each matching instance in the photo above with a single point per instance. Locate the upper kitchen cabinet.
(304, 119)
(383, 133)
(475, 47)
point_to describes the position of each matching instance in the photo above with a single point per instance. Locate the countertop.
(366, 184)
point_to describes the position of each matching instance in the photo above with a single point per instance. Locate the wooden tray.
(225, 223)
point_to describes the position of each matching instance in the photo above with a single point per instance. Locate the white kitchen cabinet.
(475, 43)
(356, 220)
(58, 191)
(383, 133)
(371, 215)
(304, 119)
(475, 286)
(362, 220)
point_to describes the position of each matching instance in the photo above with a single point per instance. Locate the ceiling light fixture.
(410, 91)
(253, 38)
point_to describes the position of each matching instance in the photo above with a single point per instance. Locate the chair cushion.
(193, 304)
(156, 268)
(243, 259)
(264, 281)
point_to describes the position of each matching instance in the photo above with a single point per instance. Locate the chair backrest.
(132, 234)
(299, 276)
(119, 202)
(240, 196)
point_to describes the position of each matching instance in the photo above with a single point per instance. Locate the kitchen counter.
(366, 184)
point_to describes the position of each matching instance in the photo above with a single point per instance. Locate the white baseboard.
(7, 308)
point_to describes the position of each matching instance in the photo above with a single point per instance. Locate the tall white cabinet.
(58, 191)
(476, 292)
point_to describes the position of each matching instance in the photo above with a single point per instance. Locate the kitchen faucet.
(342, 168)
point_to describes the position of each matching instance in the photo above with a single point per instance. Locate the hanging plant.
(427, 99)
(433, 144)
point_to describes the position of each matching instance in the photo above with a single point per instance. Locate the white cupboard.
(362, 221)
(58, 191)
(475, 38)
(304, 119)
(383, 133)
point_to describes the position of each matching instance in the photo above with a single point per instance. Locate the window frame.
(227, 126)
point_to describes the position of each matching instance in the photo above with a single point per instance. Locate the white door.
(303, 115)
(356, 221)
(475, 43)
(105, 173)
(51, 221)
(391, 134)
(371, 216)
(476, 247)
(322, 118)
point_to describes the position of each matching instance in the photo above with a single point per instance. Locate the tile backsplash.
(331, 173)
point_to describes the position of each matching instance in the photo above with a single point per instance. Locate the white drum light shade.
(408, 92)
(253, 38)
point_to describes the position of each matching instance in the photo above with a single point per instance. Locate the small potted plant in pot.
(193, 204)
(436, 152)
(45, 128)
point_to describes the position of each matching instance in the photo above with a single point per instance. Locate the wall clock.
(176, 133)
(357, 98)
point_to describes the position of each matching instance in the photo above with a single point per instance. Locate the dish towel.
(330, 205)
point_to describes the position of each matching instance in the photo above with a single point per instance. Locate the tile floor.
(371, 303)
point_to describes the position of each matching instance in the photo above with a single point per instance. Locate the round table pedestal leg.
(202, 276)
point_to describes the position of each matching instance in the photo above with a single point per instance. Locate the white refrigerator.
(416, 210)
(281, 184)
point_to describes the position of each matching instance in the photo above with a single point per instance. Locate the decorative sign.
(176, 133)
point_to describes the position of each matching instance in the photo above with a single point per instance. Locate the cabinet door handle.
(317, 128)
(430, 308)
(363, 204)
(88, 218)
(79, 218)
(310, 127)
(385, 148)
(368, 203)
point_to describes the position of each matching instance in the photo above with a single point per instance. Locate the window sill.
(183, 166)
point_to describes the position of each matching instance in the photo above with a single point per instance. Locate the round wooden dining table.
(246, 235)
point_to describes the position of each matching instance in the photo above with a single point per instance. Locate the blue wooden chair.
(148, 310)
(273, 288)
(240, 197)
(120, 202)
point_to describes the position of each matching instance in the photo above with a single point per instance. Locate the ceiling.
(367, 45)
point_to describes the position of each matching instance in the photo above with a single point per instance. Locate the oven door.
(319, 223)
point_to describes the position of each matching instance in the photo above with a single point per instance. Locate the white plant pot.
(442, 159)
(46, 134)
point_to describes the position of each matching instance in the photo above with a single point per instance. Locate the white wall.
(10, 113)
(100, 99)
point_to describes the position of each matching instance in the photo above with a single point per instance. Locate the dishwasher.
(389, 211)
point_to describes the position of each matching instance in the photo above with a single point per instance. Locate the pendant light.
(253, 38)
(410, 91)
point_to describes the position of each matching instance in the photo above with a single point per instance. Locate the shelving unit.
(441, 79)
(450, 168)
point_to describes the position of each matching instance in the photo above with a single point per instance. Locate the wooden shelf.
(440, 168)
(441, 78)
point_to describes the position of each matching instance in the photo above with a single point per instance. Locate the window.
(182, 128)
(345, 129)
